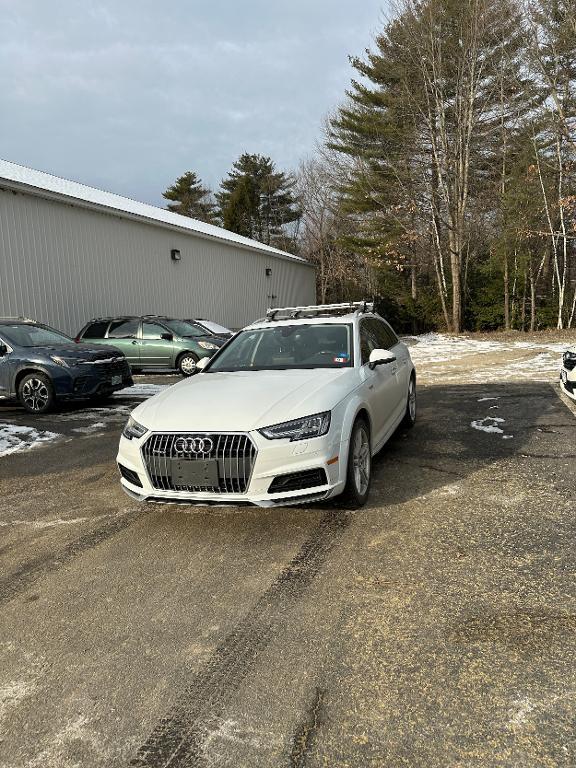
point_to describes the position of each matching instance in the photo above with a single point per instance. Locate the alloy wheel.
(361, 460)
(35, 394)
(412, 400)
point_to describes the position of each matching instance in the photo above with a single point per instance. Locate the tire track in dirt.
(18, 581)
(177, 739)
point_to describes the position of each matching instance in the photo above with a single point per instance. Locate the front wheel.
(36, 393)
(359, 468)
(187, 364)
(410, 415)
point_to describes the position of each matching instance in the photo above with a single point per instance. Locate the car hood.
(244, 400)
(216, 340)
(80, 351)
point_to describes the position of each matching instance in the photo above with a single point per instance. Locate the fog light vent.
(297, 481)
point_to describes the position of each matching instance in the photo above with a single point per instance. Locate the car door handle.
(134, 342)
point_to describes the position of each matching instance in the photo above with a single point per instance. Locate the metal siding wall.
(64, 265)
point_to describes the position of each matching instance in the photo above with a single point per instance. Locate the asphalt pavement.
(436, 627)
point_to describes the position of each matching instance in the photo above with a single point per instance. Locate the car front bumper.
(274, 458)
(78, 384)
(568, 382)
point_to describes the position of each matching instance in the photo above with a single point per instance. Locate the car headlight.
(207, 345)
(299, 429)
(60, 361)
(133, 430)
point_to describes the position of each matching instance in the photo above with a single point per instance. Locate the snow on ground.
(438, 347)
(16, 438)
(142, 390)
(488, 424)
(472, 359)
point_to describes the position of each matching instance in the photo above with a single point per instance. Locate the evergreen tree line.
(446, 183)
(255, 200)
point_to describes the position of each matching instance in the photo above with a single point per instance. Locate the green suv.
(153, 341)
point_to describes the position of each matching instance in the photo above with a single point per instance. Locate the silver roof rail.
(19, 319)
(314, 310)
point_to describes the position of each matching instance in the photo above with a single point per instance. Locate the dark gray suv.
(39, 366)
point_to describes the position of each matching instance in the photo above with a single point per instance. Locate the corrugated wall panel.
(64, 264)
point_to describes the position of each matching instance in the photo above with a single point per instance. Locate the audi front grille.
(234, 455)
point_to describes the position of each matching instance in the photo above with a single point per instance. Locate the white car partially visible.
(291, 410)
(568, 373)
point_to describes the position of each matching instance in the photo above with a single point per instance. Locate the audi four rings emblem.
(194, 445)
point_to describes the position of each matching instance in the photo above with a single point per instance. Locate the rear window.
(96, 330)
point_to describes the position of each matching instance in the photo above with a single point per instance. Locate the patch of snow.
(439, 347)
(483, 399)
(15, 438)
(488, 424)
(142, 390)
(430, 348)
(90, 428)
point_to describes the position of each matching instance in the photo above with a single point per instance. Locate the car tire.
(36, 393)
(358, 482)
(410, 416)
(187, 363)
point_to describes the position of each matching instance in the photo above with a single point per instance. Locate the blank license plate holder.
(197, 472)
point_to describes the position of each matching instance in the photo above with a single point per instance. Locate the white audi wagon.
(290, 410)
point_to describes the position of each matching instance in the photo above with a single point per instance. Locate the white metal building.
(69, 253)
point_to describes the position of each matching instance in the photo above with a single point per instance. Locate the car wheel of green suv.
(187, 363)
(36, 393)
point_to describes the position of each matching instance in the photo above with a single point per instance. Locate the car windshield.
(286, 347)
(182, 328)
(22, 335)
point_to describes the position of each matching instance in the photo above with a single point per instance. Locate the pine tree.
(189, 198)
(257, 201)
(422, 128)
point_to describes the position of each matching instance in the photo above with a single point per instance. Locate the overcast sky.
(126, 95)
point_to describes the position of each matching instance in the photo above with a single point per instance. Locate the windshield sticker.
(342, 357)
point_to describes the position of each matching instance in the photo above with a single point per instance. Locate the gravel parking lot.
(435, 627)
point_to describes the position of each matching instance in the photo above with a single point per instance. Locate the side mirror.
(380, 357)
(167, 336)
(202, 363)
(3, 350)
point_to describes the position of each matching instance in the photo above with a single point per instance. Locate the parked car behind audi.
(210, 328)
(39, 366)
(568, 372)
(152, 341)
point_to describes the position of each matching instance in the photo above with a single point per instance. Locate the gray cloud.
(126, 96)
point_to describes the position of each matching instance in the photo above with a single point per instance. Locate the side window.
(153, 331)
(393, 337)
(123, 329)
(385, 335)
(96, 330)
(368, 339)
